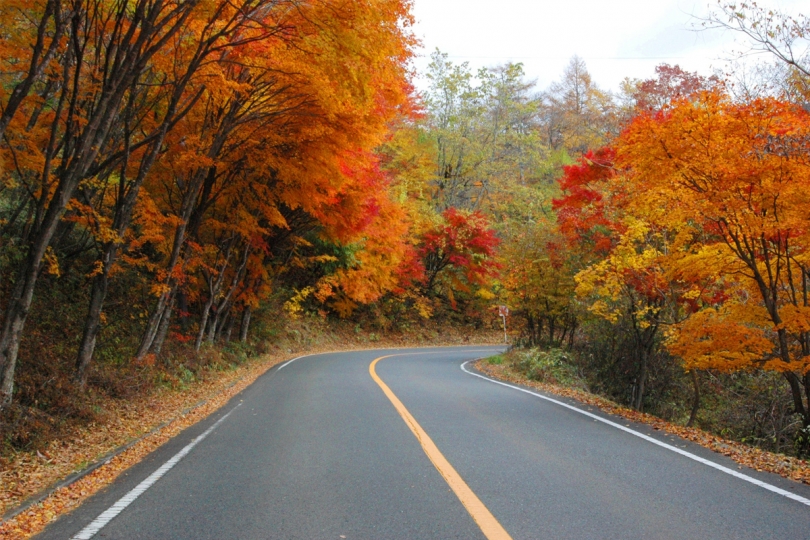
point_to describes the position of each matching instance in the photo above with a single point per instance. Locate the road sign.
(503, 312)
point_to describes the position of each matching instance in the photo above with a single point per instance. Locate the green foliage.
(553, 366)
(486, 133)
(495, 360)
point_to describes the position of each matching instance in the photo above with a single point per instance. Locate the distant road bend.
(414, 444)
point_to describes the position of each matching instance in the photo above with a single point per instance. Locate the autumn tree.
(783, 37)
(91, 75)
(459, 252)
(670, 83)
(279, 133)
(538, 284)
(739, 171)
(771, 31)
(577, 114)
(176, 88)
(39, 27)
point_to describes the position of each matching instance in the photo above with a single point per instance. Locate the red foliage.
(671, 83)
(465, 242)
(411, 271)
(582, 212)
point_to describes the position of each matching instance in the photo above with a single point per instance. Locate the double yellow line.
(480, 513)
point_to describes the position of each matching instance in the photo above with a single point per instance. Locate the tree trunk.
(642, 380)
(243, 329)
(213, 324)
(203, 322)
(152, 326)
(695, 399)
(571, 335)
(229, 328)
(163, 330)
(20, 300)
(224, 321)
(564, 333)
(796, 392)
(182, 309)
(92, 323)
(40, 58)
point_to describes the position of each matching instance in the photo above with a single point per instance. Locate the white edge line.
(282, 366)
(108, 515)
(647, 438)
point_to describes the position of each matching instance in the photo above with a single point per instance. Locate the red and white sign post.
(503, 311)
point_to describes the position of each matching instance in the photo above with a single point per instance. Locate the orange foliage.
(734, 180)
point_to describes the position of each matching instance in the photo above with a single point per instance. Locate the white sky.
(616, 38)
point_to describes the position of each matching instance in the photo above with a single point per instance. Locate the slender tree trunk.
(564, 333)
(19, 302)
(213, 323)
(642, 380)
(92, 323)
(796, 391)
(121, 222)
(530, 328)
(203, 322)
(182, 309)
(223, 322)
(187, 210)
(152, 326)
(695, 399)
(163, 329)
(40, 58)
(243, 328)
(571, 336)
(229, 328)
(538, 337)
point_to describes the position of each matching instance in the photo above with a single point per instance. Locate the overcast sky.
(616, 38)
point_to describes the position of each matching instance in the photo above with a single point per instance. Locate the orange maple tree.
(736, 178)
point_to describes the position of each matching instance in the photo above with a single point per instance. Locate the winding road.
(414, 444)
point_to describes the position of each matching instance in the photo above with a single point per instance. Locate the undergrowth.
(749, 407)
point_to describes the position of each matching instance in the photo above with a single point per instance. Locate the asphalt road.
(315, 450)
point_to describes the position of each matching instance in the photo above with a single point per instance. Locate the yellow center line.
(480, 513)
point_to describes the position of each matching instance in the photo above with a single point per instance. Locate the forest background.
(184, 182)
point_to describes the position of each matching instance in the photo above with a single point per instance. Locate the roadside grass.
(495, 360)
(551, 366)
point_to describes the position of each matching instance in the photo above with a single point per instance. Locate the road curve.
(316, 450)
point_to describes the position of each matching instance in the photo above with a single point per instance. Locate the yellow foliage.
(423, 307)
(485, 294)
(719, 339)
(98, 268)
(795, 319)
(51, 262)
(293, 306)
